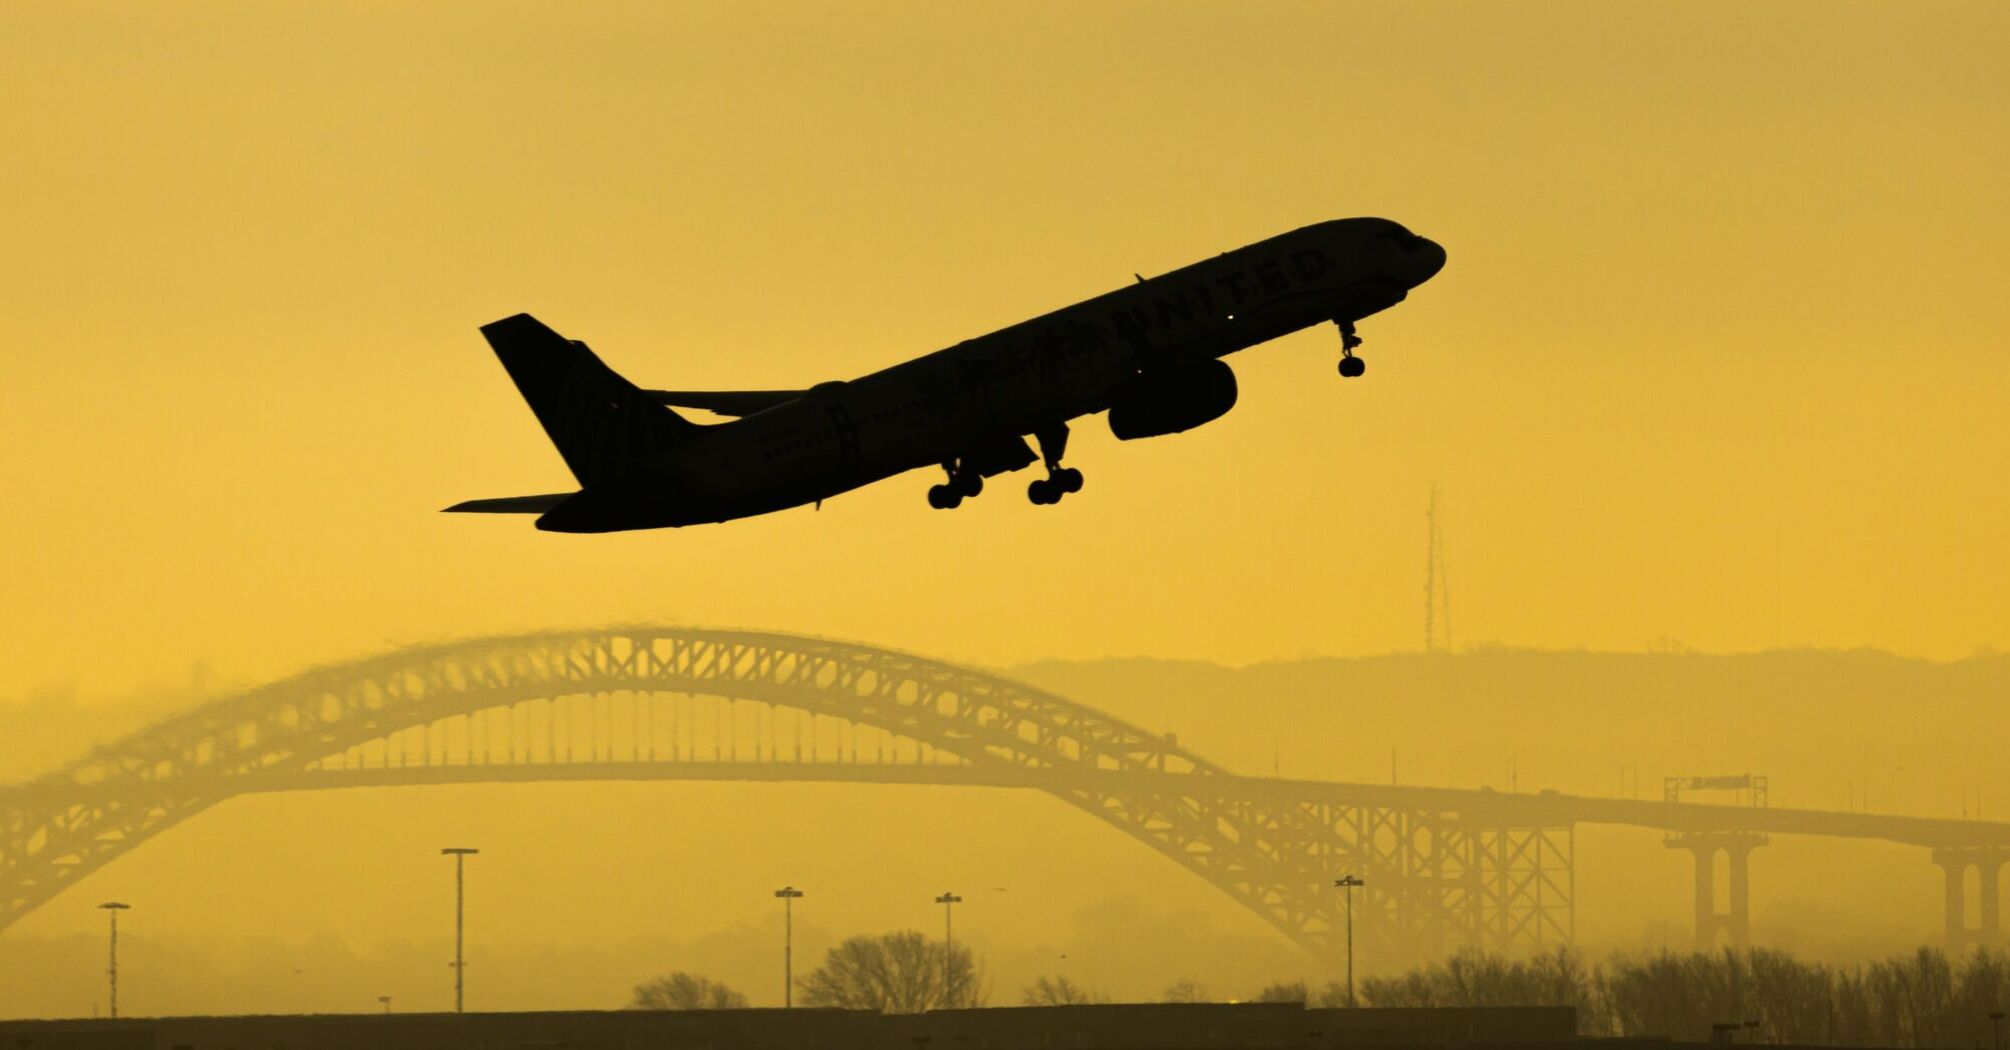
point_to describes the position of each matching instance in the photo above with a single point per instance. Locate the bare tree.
(1058, 990)
(899, 973)
(1284, 992)
(1186, 990)
(686, 991)
(1473, 978)
(1332, 996)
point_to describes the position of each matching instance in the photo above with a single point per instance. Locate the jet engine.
(1174, 400)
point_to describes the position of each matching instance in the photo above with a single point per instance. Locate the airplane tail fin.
(603, 426)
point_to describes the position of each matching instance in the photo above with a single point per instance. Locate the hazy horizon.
(1445, 716)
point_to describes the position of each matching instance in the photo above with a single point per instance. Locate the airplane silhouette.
(1149, 354)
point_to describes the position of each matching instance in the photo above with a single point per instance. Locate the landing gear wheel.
(1060, 480)
(961, 483)
(1350, 366)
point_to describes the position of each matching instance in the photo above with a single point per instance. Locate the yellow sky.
(1719, 275)
(1720, 354)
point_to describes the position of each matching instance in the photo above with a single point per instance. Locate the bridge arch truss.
(678, 703)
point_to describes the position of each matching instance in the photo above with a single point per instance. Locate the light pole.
(114, 908)
(1996, 1019)
(788, 894)
(1348, 882)
(460, 855)
(948, 900)
(386, 1000)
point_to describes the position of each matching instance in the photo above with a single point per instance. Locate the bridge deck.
(1547, 808)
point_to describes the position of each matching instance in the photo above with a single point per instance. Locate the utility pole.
(460, 855)
(948, 900)
(788, 894)
(1348, 882)
(113, 908)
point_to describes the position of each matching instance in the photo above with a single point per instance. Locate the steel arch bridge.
(675, 703)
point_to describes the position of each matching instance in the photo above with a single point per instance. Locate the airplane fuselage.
(987, 393)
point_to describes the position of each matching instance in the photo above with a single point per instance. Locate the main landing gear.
(1350, 366)
(963, 483)
(1060, 480)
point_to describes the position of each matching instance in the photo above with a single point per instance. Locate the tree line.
(1922, 999)
(1917, 999)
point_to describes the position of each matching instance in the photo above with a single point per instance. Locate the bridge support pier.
(1954, 863)
(1735, 921)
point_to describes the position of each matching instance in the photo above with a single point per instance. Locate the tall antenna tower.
(1437, 593)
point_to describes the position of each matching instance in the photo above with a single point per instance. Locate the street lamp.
(788, 894)
(386, 1000)
(948, 900)
(114, 908)
(460, 855)
(1348, 882)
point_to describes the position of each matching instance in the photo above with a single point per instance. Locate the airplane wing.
(726, 402)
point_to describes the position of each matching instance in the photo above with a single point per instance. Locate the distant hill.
(1827, 726)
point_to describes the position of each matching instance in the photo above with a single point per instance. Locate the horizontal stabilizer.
(726, 402)
(511, 504)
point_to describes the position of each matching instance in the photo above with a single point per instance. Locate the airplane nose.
(1430, 259)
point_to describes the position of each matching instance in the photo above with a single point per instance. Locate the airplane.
(1149, 354)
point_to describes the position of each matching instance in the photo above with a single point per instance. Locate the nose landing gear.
(1350, 366)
